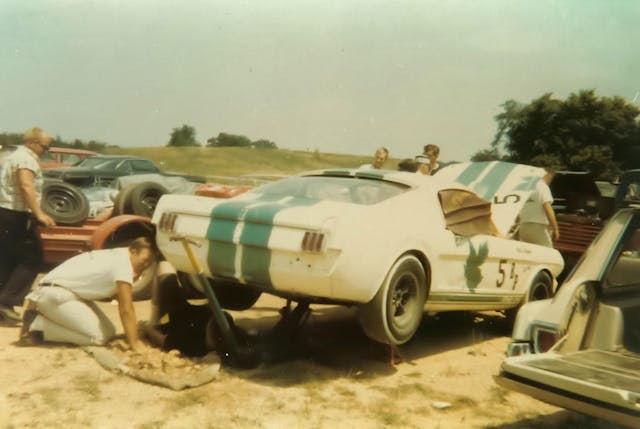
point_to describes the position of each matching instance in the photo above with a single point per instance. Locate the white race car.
(392, 243)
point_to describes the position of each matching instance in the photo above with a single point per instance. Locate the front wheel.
(395, 313)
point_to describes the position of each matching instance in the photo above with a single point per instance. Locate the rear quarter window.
(354, 190)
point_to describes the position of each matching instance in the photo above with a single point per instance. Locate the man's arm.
(127, 313)
(551, 216)
(25, 179)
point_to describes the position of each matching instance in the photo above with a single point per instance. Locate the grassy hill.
(233, 161)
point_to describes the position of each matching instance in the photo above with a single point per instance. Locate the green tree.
(492, 154)
(583, 132)
(264, 144)
(183, 136)
(229, 140)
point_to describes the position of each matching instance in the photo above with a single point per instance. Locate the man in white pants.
(61, 309)
(537, 216)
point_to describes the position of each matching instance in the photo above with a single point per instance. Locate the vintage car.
(581, 349)
(391, 243)
(57, 157)
(101, 170)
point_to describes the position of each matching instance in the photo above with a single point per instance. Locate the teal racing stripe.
(472, 172)
(492, 181)
(222, 251)
(257, 224)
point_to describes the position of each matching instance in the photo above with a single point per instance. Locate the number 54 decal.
(513, 276)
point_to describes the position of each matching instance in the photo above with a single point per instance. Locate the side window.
(626, 270)
(124, 167)
(70, 158)
(142, 166)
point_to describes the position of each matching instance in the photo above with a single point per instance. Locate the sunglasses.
(44, 147)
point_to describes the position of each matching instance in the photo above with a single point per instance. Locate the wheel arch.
(129, 227)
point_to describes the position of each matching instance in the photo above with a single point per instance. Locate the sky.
(338, 76)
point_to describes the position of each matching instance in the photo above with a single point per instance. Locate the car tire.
(231, 295)
(122, 201)
(144, 198)
(540, 288)
(65, 203)
(394, 314)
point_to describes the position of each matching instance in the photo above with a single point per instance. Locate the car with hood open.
(581, 349)
(393, 244)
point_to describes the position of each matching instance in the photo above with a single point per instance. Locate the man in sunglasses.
(20, 213)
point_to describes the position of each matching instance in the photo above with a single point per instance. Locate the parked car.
(390, 243)
(581, 349)
(101, 170)
(57, 157)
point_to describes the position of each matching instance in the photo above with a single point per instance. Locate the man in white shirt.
(537, 215)
(20, 213)
(61, 309)
(380, 157)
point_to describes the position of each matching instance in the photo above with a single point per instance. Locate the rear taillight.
(543, 339)
(313, 241)
(167, 222)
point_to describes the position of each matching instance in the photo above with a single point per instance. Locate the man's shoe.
(27, 319)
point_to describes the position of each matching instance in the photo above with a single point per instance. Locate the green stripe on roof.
(472, 172)
(492, 181)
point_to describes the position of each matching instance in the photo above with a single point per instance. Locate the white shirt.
(93, 275)
(533, 211)
(10, 196)
(366, 167)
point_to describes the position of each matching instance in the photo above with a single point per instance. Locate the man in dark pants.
(20, 248)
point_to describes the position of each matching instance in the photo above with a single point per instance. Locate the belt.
(48, 284)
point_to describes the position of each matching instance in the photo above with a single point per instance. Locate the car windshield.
(355, 190)
(97, 163)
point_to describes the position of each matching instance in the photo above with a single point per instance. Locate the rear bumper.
(569, 400)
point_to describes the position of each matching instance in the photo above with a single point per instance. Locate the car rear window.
(356, 190)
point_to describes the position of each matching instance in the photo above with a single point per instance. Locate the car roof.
(56, 149)
(102, 156)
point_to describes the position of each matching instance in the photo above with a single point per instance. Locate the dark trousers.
(20, 255)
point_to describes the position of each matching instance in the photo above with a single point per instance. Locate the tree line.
(186, 136)
(15, 139)
(584, 132)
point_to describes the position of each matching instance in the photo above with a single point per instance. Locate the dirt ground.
(336, 379)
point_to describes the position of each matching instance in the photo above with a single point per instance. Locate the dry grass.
(238, 161)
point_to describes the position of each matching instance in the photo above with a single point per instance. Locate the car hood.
(506, 185)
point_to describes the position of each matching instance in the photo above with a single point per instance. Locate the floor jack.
(243, 354)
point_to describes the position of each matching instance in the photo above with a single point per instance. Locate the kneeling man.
(61, 309)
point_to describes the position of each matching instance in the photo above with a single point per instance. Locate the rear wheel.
(231, 295)
(540, 288)
(395, 313)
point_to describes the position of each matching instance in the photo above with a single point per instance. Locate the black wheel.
(145, 196)
(65, 203)
(231, 295)
(122, 202)
(395, 313)
(540, 288)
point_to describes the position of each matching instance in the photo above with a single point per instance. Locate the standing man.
(20, 212)
(380, 157)
(537, 215)
(61, 309)
(429, 160)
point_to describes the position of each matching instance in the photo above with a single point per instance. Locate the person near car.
(537, 216)
(62, 307)
(186, 327)
(428, 161)
(20, 213)
(379, 159)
